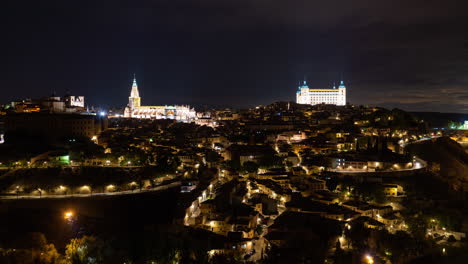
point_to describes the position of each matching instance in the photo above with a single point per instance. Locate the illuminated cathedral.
(134, 109)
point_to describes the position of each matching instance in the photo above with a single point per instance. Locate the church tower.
(134, 100)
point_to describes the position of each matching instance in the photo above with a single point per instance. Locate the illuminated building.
(334, 96)
(56, 125)
(135, 110)
(51, 104)
(393, 190)
(74, 101)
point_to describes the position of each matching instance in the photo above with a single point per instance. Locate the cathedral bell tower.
(134, 100)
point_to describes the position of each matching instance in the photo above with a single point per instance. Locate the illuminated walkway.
(419, 164)
(130, 192)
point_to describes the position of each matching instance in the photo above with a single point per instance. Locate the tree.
(371, 191)
(391, 245)
(341, 257)
(453, 125)
(85, 250)
(167, 162)
(332, 183)
(232, 165)
(33, 249)
(451, 238)
(212, 156)
(250, 166)
(259, 230)
(358, 235)
(270, 160)
(417, 225)
(226, 258)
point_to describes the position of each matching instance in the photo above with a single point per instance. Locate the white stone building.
(334, 96)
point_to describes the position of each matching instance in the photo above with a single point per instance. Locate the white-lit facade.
(135, 110)
(334, 96)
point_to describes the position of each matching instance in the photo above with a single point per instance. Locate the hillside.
(436, 119)
(449, 155)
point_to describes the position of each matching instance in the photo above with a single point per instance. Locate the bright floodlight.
(67, 215)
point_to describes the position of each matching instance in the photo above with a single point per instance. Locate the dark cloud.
(305, 13)
(408, 54)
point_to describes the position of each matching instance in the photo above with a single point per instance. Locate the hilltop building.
(334, 96)
(50, 104)
(134, 109)
(55, 126)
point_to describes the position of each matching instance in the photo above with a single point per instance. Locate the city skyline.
(183, 101)
(222, 131)
(406, 55)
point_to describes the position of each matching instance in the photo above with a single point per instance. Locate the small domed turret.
(342, 85)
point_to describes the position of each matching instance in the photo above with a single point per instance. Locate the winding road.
(136, 191)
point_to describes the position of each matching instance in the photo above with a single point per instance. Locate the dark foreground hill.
(446, 157)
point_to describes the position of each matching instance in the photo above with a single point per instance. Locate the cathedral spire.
(134, 92)
(134, 100)
(134, 81)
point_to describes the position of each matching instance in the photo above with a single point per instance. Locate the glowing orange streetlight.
(68, 215)
(369, 259)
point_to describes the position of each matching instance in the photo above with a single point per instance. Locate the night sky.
(411, 54)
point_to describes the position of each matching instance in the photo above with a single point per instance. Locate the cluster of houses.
(260, 211)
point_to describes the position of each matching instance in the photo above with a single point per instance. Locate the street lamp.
(85, 189)
(62, 189)
(68, 215)
(369, 259)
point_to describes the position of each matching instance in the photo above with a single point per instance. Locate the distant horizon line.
(215, 106)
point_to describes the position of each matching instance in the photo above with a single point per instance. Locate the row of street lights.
(45, 163)
(61, 189)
